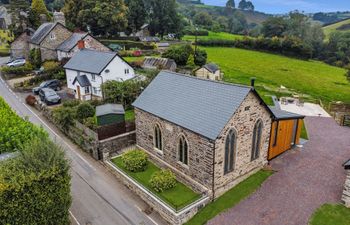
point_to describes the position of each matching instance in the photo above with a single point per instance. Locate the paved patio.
(306, 179)
(309, 109)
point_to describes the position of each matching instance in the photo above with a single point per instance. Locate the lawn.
(213, 36)
(313, 79)
(331, 214)
(130, 59)
(230, 198)
(304, 134)
(333, 27)
(129, 115)
(177, 197)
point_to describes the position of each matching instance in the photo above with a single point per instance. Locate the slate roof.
(90, 61)
(71, 42)
(164, 63)
(211, 67)
(41, 32)
(109, 109)
(82, 80)
(202, 106)
(282, 115)
(347, 165)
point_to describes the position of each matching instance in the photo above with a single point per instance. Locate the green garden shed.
(110, 114)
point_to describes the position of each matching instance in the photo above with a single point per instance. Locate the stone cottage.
(215, 133)
(20, 46)
(209, 71)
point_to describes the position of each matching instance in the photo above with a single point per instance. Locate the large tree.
(37, 10)
(246, 5)
(137, 15)
(203, 18)
(230, 4)
(19, 19)
(274, 27)
(71, 11)
(163, 17)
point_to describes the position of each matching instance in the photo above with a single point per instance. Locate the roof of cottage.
(200, 105)
(82, 80)
(41, 32)
(211, 67)
(71, 42)
(163, 63)
(109, 109)
(90, 61)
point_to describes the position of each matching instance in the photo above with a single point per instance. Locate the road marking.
(75, 219)
(146, 215)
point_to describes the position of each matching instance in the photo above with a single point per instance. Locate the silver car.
(17, 63)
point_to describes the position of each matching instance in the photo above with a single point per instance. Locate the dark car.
(53, 84)
(49, 96)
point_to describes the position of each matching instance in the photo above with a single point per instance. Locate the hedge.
(135, 160)
(22, 70)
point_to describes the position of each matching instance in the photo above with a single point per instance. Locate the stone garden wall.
(346, 193)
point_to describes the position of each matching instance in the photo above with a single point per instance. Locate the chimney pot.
(252, 82)
(81, 44)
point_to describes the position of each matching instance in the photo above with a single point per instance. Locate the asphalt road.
(98, 198)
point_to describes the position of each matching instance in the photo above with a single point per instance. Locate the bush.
(201, 57)
(51, 66)
(71, 103)
(64, 117)
(30, 100)
(84, 111)
(35, 57)
(135, 160)
(91, 123)
(179, 53)
(163, 180)
(22, 70)
(192, 31)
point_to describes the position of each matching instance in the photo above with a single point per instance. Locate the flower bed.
(178, 197)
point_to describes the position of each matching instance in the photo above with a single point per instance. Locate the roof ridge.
(94, 50)
(207, 80)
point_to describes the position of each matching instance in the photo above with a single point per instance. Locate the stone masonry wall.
(20, 47)
(200, 149)
(346, 193)
(243, 122)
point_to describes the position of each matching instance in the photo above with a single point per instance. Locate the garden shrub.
(64, 117)
(30, 100)
(163, 180)
(51, 66)
(179, 53)
(35, 57)
(21, 70)
(91, 123)
(135, 160)
(71, 103)
(84, 111)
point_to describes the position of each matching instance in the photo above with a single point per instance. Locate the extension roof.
(90, 61)
(200, 105)
(71, 42)
(284, 115)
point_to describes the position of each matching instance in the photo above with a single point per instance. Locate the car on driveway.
(49, 96)
(53, 84)
(16, 63)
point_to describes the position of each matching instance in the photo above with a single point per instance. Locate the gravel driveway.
(306, 179)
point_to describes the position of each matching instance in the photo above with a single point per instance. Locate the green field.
(331, 214)
(213, 36)
(312, 79)
(333, 27)
(4, 38)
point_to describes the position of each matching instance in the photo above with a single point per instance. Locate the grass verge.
(129, 115)
(177, 197)
(230, 198)
(304, 134)
(331, 214)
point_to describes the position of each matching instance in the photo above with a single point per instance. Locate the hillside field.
(314, 80)
(340, 26)
(213, 36)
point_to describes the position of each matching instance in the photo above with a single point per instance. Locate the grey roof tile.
(68, 44)
(41, 32)
(202, 106)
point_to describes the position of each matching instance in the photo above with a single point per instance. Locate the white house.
(87, 70)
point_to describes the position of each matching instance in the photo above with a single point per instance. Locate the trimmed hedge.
(163, 180)
(130, 44)
(22, 70)
(135, 160)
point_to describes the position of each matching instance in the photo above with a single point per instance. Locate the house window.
(52, 36)
(126, 71)
(230, 149)
(183, 150)
(158, 140)
(257, 132)
(275, 134)
(95, 91)
(87, 90)
(93, 77)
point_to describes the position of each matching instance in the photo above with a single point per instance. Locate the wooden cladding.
(285, 134)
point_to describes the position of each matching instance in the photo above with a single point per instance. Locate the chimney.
(58, 17)
(43, 18)
(252, 82)
(81, 44)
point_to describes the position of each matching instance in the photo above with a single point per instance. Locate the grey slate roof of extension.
(109, 109)
(82, 80)
(202, 106)
(90, 61)
(211, 67)
(71, 42)
(281, 114)
(41, 32)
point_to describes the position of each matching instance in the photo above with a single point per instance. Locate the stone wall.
(200, 149)
(346, 193)
(20, 47)
(113, 146)
(338, 111)
(169, 214)
(243, 122)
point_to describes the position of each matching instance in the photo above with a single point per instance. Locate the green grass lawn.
(315, 80)
(333, 27)
(213, 36)
(304, 134)
(177, 197)
(230, 198)
(330, 214)
(130, 59)
(130, 115)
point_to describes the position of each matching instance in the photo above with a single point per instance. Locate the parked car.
(53, 84)
(17, 63)
(39, 71)
(49, 96)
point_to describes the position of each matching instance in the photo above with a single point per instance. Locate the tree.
(179, 53)
(38, 8)
(274, 27)
(203, 18)
(231, 4)
(163, 17)
(237, 23)
(19, 19)
(200, 58)
(84, 111)
(71, 11)
(137, 15)
(246, 5)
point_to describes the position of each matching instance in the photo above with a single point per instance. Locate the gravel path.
(306, 179)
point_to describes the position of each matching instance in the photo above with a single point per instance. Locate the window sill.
(159, 152)
(183, 165)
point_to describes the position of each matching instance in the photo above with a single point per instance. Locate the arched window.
(158, 141)
(257, 133)
(183, 150)
(230, 149)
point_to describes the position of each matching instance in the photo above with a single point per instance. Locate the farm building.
(209, 71)
(110, 114)
(159, 63)
(285, 132)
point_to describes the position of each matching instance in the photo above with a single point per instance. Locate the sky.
(284, 6)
